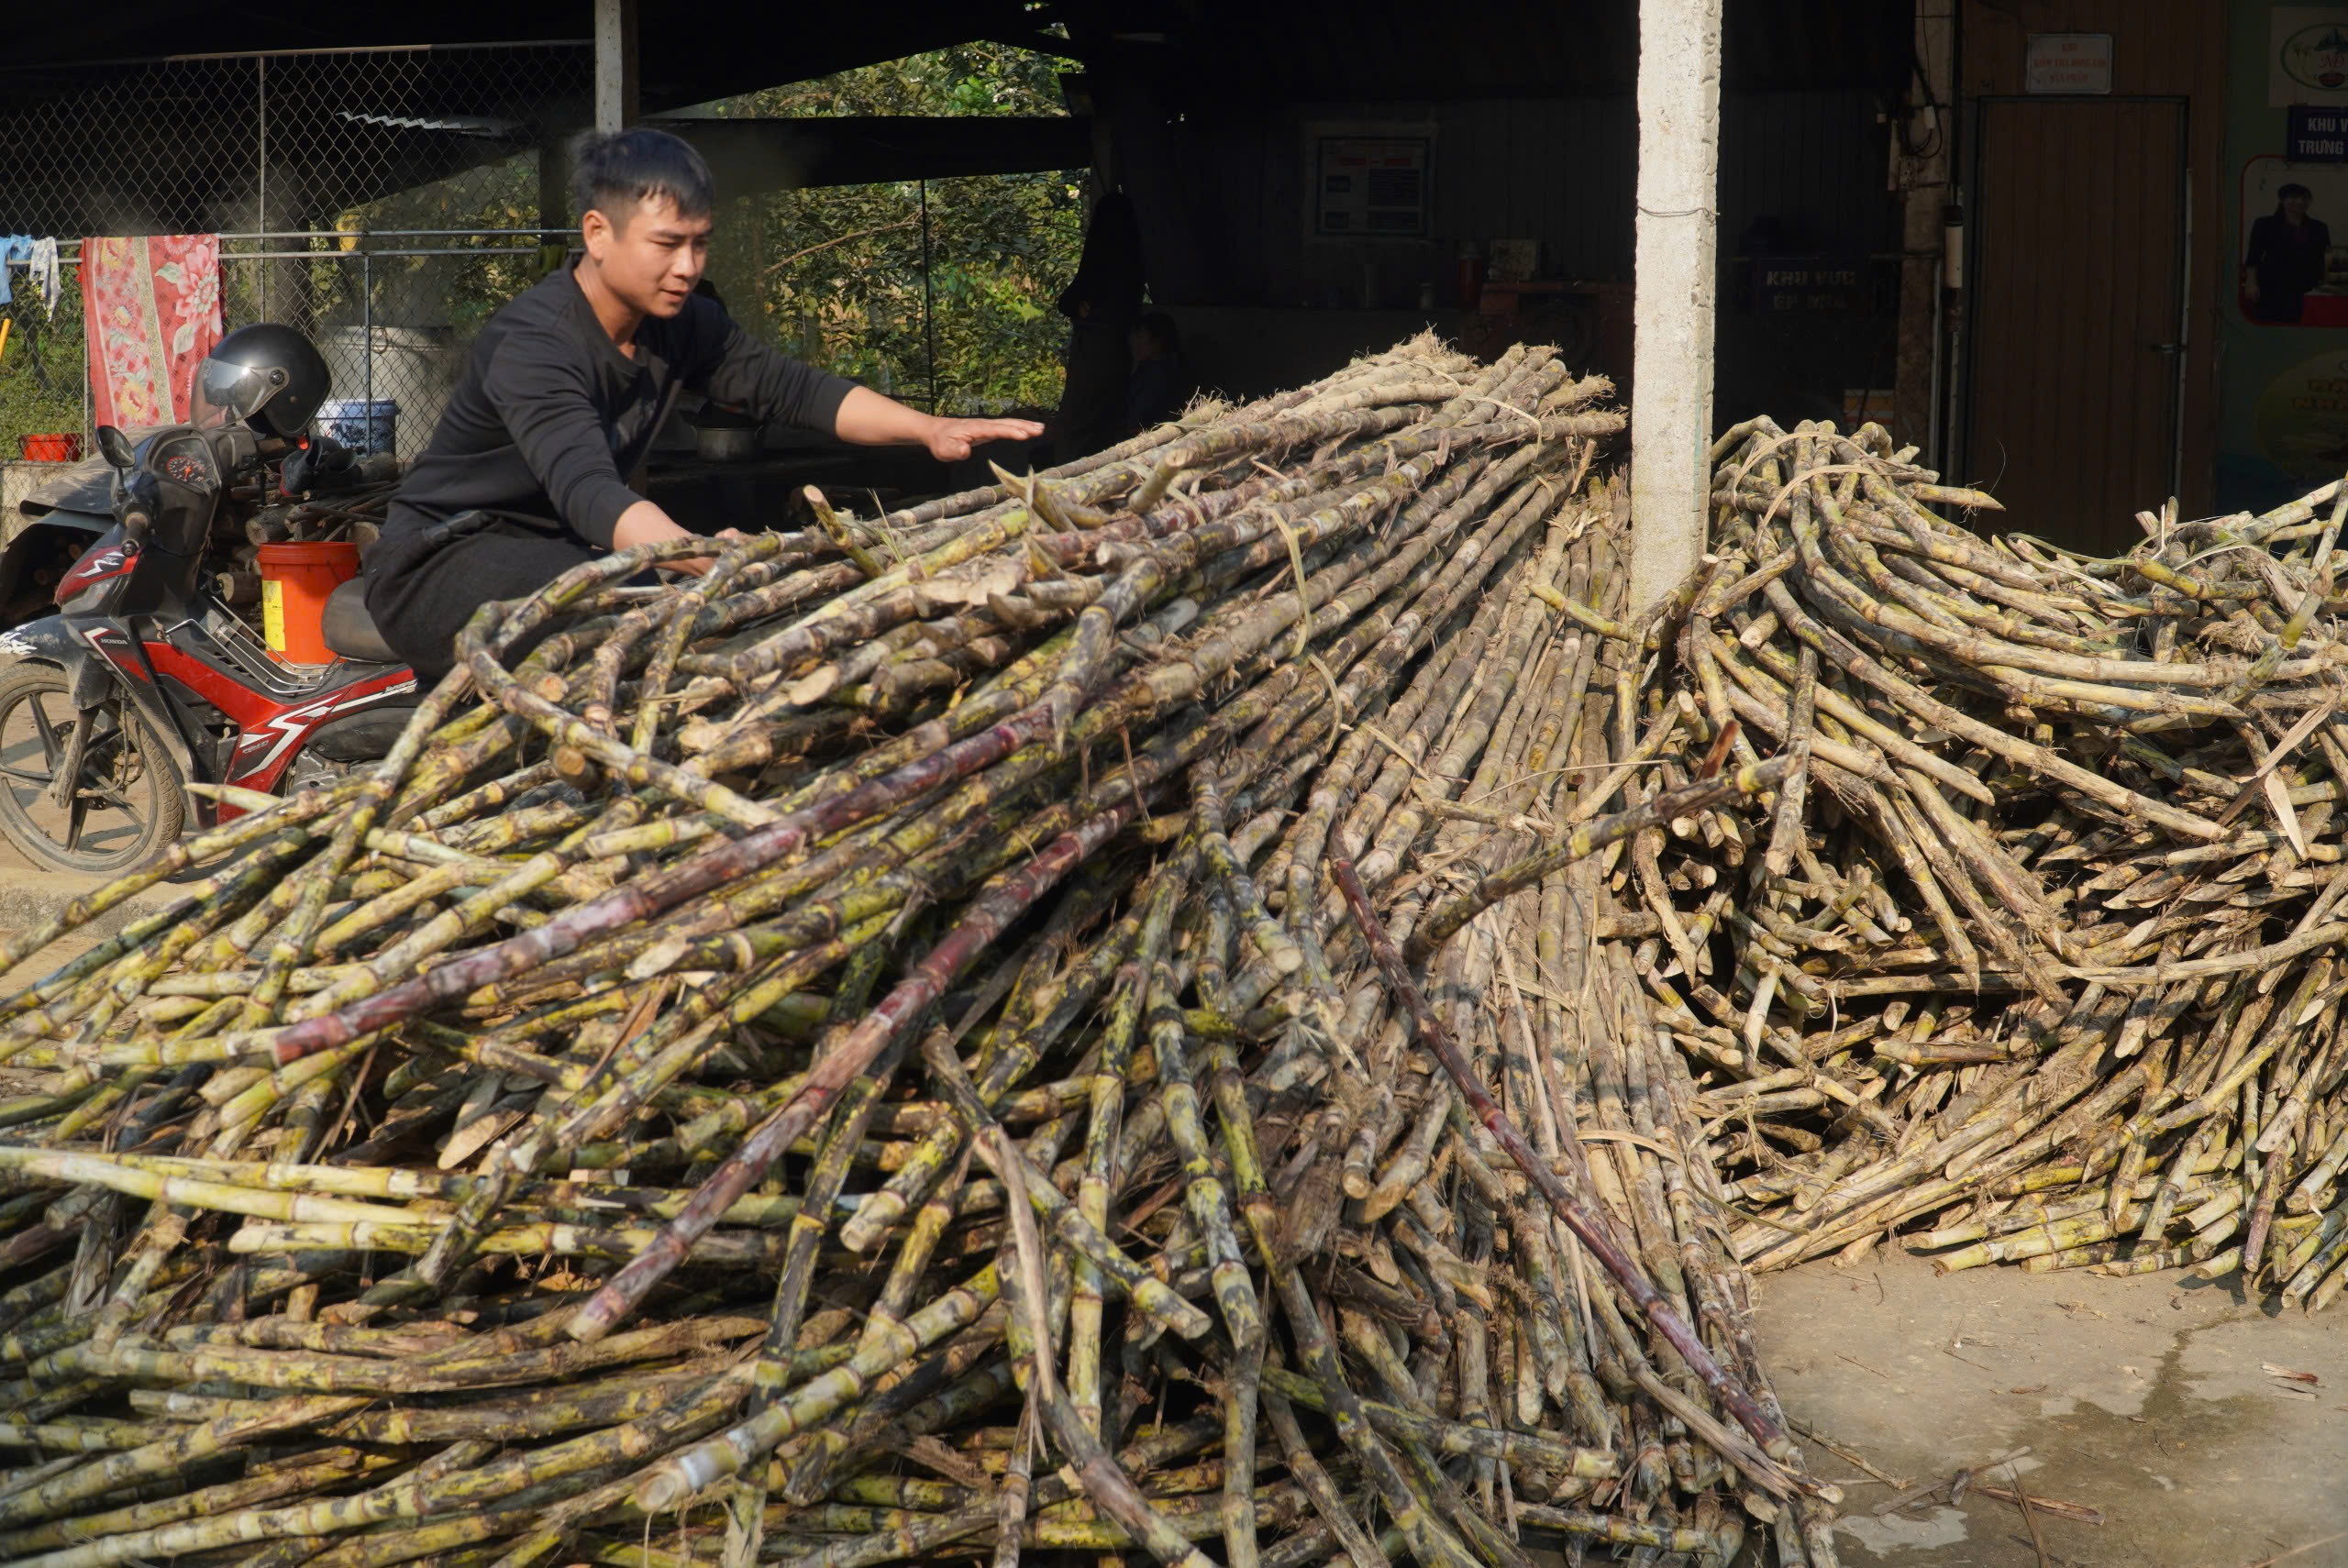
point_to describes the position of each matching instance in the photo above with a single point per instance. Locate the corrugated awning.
(1297, 49)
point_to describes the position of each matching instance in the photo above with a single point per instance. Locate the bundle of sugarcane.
(2042, 937)
(766, 1063)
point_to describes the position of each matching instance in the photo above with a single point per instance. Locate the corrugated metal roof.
(1331, 49)
(1407, 48)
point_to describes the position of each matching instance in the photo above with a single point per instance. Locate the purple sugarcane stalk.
(639, 900)
(900, 1009)
(1580, 1218)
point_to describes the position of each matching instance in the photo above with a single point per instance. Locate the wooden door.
(2077, 301)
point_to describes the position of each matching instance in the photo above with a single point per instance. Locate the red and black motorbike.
(143, 681)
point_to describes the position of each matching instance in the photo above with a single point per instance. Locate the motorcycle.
(143, 681)
(55, 525)
(319, 492)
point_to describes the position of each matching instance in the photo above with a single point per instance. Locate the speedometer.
(187, 459)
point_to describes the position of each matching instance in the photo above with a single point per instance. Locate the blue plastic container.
(365, 427)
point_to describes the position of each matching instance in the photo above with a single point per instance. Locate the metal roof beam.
(752, 155)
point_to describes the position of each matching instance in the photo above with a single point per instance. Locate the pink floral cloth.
(151, 314)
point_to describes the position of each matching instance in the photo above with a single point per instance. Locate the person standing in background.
(1161, 382)
(1102, 303)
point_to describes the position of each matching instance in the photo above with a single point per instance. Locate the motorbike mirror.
(116, 446)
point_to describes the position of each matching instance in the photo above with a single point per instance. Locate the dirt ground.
(15, 870)
(2150, 1399)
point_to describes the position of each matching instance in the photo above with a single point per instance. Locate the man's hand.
(951, 440)
(868, 419)
(698, 566)
(646, 523)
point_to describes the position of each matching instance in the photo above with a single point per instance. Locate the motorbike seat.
(350, 630)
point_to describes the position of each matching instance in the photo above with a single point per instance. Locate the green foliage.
(40, 368)
(836, 275)
(490, 200)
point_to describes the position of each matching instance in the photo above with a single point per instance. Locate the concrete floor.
(2148, 1399)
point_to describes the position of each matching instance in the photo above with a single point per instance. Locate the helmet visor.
(226, 394)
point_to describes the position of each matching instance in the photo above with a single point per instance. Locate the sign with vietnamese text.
(1810, 288)
(2067, 62)
(2317, 135)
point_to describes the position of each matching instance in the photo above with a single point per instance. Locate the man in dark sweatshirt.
(566, 387)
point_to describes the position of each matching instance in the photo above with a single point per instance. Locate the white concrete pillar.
(1671, 396)
(615, 93)
(1921, 169)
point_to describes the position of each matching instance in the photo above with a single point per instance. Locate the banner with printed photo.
(2283, 335)
(2292, 270)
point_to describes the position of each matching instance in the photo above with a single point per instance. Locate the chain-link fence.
(939, 291)
(382, 201)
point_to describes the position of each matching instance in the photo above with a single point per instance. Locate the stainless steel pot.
(728, 443)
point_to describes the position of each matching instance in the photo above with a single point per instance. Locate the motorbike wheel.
(128, 806)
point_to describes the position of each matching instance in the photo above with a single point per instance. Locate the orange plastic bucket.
(294, 582)
(50, 448)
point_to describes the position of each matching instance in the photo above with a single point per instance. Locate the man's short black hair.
(612, 172)
(2287, 192)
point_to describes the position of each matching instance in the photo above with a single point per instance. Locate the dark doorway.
(2077, 310)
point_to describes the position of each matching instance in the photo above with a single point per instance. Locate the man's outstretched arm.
(865, 419)
(868, 419)
(746, 373)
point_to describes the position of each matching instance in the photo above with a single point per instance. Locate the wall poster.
(2301, 418)
(2306, 60)
(2283, 334)
(2292, 272)
(1373, 187)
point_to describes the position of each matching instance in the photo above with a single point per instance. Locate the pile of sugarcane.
(2036, 956)
(1075, 1017)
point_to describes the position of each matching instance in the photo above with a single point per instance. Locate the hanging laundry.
(39, 257)
(150, 310)
(13, 248)
(46, 273)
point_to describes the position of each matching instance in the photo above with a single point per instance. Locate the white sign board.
(2067, 62)
(2307, 56)
(1370, 187)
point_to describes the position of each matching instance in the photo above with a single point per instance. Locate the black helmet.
(266, 375)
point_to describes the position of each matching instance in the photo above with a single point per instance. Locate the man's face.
(652, 258)
(2296, 205)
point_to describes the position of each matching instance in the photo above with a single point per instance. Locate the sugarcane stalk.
(1587, 1227)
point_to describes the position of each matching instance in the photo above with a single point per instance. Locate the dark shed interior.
(1520, 119)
